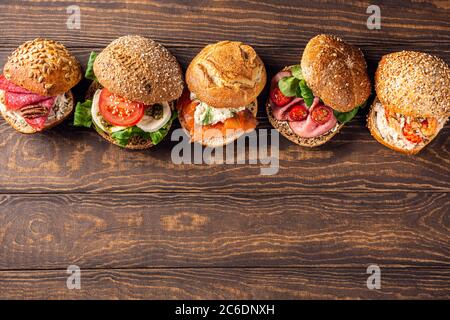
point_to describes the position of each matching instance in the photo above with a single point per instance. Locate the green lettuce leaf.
(123, 137)
(344, 117)
(89, 74)
(82, 115)
(297, 72)
(288, 86)
(306, 93)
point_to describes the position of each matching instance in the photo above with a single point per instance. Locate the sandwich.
(413, 100)
(220, 104)
(310, 102)
(35, 85)
(131, 100)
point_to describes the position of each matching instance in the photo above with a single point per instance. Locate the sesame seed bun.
(44, 67)
(139, 69)
(414, 84)
(226, 75)
(336, 72)
(16, 121)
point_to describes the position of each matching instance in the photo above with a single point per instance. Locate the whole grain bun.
(135, 143)
(414, 84)
(14, 119)
(336, 72)
(139, 69)
(220, 141)
(226, 75)
(44, 67)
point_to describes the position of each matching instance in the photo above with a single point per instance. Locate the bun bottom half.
(220, 141)
(286, 131)
(16, 121)
(375, 132)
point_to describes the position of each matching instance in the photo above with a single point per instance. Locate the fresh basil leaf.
(89, 74)
(297, 72)
(82, 115)
(344, 117)
(306, 93)
(288, 86)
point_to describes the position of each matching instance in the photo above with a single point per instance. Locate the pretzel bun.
(227, 74)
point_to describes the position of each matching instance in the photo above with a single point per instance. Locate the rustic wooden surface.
(140, 226)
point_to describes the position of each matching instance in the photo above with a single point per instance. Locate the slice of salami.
(39, 123)
(16, 101)
(8, 86)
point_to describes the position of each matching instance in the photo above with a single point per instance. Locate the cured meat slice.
(16, 101)
(8, 86)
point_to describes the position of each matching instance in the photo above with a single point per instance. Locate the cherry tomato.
(298, 113)
(119, 111)
(279, 98)
(321, 114)
(410, 134)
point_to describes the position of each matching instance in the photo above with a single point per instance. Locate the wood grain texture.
(76, 160)
(230, 283)
(178, 230)
(140, 226)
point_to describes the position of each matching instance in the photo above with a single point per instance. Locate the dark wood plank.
(182, 230)
(73, 160)
(234, 283)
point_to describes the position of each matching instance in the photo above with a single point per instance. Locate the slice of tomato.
(119, 111)
(298, 113)
(279, 98)
(410, 134)
(321, 114)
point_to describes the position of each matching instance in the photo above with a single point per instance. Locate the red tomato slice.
(279, 98)
(321, 114)
(119, 111)
(298, 113)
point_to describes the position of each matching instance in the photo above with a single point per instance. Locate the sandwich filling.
(30, 108)
(292, 100)
(406, 132)
(122, 119)
(203, 121)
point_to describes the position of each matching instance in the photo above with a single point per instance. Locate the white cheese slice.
(150, 124)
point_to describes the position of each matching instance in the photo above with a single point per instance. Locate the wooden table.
(140, 226)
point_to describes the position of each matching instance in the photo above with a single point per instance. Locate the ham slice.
(281, 113)
(309, 129)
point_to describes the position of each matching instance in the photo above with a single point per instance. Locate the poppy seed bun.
(64, 109)
(226, 75)
(336, 72)
(414, 84)
(44, 67)
(139, 69)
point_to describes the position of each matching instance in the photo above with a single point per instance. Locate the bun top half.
(336, 72)
(414, 84)
(44, 67)
(139, 69)
(226, 75)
